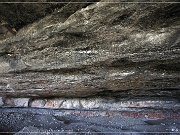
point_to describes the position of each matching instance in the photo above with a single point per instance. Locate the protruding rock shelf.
(115, 49)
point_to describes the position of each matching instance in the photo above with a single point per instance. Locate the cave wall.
(90, 66)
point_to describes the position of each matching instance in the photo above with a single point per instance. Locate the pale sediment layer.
(91, 103)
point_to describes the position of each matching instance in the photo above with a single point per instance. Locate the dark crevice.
(53, 71)
(18, 15)
(167, 16)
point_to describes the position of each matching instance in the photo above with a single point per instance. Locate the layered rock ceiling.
(105, 48)
(112, 65)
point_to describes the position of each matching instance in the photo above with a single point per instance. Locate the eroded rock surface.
(89, 121)
(116, 49)
(92, 103)
(101, 67)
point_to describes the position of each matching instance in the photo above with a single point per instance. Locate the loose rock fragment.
(38, 103)
(17, 102)
(21, 102)
(53, 103)
(1, 101)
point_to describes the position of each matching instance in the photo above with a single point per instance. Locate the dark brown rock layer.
(20, 13)
(115, 49)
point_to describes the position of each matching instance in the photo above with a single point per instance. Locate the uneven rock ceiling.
(117, 49)
(98, 66)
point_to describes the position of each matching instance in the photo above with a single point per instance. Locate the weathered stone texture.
(115, 49)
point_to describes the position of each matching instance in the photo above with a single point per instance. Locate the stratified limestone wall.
(104, 49)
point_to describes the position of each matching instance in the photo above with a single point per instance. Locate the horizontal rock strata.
(91, 103)
(114, 49)
(89, 122)
(90, 67)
